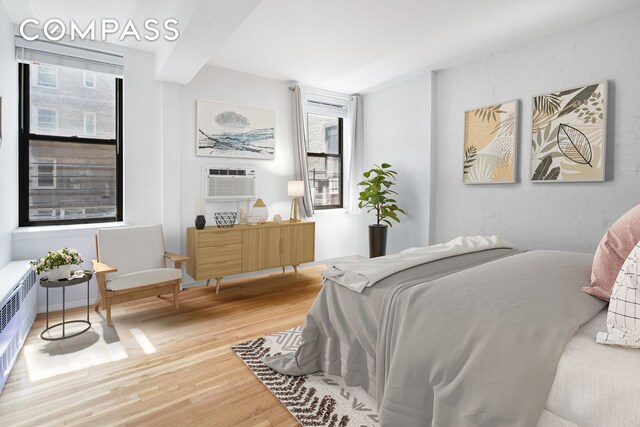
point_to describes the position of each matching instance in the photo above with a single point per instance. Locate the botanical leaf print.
(490, 143)
(567, 141)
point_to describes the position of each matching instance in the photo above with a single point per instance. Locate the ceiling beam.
(205, 26)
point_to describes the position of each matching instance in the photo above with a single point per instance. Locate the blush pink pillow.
(613, 250)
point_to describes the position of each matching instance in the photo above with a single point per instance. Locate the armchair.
(131, 264)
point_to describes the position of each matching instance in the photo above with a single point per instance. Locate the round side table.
(45, 283)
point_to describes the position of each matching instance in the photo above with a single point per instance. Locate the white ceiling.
(343, 45)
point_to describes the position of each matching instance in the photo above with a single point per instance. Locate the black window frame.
(26, 135)
(326, 155)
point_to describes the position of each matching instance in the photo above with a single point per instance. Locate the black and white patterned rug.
(314, 400)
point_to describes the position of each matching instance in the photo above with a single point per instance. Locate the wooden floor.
(160, 367)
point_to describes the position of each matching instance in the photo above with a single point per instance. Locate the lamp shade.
(296, 188)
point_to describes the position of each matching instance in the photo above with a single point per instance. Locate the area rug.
(314, 400)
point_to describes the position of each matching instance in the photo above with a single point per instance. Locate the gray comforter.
(471, 340)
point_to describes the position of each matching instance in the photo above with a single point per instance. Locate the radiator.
(17, 312)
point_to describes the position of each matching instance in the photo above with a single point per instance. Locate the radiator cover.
(18, 298)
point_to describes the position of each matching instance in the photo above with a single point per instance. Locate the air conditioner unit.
(230, 183)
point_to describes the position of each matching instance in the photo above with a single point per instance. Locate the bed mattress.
(595, 384)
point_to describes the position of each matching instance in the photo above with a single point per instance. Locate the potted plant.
(377, 196)
(57, 263)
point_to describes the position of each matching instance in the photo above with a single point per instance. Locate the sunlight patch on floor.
(46, 359)
(143, 341)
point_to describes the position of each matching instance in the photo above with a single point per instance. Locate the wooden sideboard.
(218, 252)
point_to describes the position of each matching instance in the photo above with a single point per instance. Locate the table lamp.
(295, 190)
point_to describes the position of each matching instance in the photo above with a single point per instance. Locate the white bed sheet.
(595, 384)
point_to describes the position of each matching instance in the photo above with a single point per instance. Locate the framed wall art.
(568, 134)
(490, 141)
(225, 130)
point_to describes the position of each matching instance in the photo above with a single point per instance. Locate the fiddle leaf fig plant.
(377, 195)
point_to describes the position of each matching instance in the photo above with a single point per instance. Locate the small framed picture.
(490, 141)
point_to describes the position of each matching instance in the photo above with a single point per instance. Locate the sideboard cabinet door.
(298, 243)
(261, 249)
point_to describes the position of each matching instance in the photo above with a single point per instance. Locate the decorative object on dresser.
(131, 264)
(277, 218)
(224, 219)
(490, 140)
(57, 263)
(200, 222)
(217, 252)
(295, 189)
(18, 298)
(232, 131)
(377, 196)
(568, 134)
(260, 211)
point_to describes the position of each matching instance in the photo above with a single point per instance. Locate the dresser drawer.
(220, 253)
(219, 238)
(219, 269)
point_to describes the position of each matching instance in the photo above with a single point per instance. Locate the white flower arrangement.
(55, 259)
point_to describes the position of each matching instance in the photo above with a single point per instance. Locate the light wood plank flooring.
(159, 367)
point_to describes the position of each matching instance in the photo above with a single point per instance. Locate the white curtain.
(354, 155)
(300, 145)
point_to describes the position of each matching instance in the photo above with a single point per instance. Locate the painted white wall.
(397, 127)
(9, 148)
(556, 216)
(335, 230)
(145, 175)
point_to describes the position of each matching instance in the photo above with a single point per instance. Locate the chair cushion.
(143, 278)
(131, 249)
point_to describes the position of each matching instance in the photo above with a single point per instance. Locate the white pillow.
(623, 318)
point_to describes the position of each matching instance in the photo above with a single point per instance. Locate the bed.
(398, 342)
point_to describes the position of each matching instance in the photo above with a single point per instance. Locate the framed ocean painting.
(490, 140)
(225, 130)
(568, 134)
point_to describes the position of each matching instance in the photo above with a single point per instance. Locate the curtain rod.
(344, 97)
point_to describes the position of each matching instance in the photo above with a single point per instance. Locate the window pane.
(71, 181)
(324, 177)
(46, 76)
(47, 120)
(71, 98)
(324, 134)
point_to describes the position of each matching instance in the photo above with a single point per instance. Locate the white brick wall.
(555, 216)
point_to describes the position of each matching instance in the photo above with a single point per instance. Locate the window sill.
(329, 211)
(46, 231)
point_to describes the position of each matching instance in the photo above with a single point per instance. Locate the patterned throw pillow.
(623, 318)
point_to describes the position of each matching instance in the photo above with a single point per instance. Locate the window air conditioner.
(229, 183)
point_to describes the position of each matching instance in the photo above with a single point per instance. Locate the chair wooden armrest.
(175, 257)
(101, 268)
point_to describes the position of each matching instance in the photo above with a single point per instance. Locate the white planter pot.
(58, 273)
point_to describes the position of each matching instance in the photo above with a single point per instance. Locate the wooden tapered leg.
(295, 269)
(218, 280)
(176, 291)
(208, 280)
(283, 269)
(108, 307)
(98, 301)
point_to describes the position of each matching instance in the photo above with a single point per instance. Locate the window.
(89, 123)
(70, 170)
(45, 173)
(89, 80)
(47, 120)
(324, 160)
(46, 76)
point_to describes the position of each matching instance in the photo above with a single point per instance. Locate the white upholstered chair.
(132, 264)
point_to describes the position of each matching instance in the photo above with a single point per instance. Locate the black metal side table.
(45, 283)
